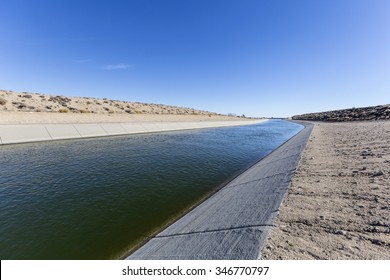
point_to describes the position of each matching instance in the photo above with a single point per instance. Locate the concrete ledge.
(234, 222)
(23, 133)
(12, 134)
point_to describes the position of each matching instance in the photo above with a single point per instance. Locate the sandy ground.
(338, 204)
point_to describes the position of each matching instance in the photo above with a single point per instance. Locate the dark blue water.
(97, 198)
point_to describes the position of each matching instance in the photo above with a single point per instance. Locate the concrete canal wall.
(234, 222)
(24, 133)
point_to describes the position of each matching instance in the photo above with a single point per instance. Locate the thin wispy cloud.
(119, 66)
(82, 60)
(54, 40)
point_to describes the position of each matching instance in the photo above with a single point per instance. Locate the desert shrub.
(83, 111)
(63, 111)
(2, 101)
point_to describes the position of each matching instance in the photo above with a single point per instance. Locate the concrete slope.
(23, 133)
(234, 222)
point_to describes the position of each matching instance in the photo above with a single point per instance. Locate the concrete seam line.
(267, 162)
(124, 129)
(81, 136)
(100, 125)
(48, 132)
(257, 180)
(210, 231)
(146, 130)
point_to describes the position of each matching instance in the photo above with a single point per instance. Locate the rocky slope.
(381, 112)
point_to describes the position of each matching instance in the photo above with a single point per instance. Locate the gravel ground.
(338, 204)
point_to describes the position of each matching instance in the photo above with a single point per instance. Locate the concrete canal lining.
(24, 133)
(234, 222)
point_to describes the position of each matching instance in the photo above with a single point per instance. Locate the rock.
(376, 242)
(353, 114)
(376, 174)
(378, 223)
(366, 153)
(372, 229)
(340, 232)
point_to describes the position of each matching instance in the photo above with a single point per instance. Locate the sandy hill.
(34, 102)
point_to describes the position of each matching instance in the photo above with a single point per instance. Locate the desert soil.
(338, 204)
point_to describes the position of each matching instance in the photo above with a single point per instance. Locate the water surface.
(96, 198)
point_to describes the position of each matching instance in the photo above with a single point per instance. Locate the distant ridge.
(380, 112)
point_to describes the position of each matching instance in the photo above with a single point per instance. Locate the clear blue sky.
(259, 58)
